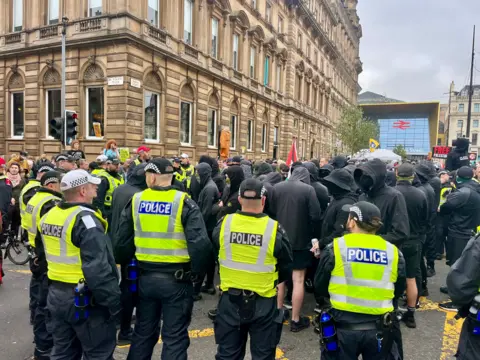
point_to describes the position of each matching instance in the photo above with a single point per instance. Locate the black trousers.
(455, 245)
(441, 231)
(128, 300)
(93, 338)
(430, 249)
(231, 333)
(42, 331)
(160, 294)
(468, 344)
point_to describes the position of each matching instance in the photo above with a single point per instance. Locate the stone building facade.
(171, 74)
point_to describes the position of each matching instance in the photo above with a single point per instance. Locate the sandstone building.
(171, 73)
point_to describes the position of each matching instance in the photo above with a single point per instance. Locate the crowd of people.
(362, 237)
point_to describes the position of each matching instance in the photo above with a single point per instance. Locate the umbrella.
(384, 155)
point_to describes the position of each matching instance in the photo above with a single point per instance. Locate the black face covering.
(365, 183)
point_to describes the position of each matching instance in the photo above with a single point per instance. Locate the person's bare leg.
(412, 293)
(298, 279)
(280, 295)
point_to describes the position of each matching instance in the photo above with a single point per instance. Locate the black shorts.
(412, 253)
(302, 259)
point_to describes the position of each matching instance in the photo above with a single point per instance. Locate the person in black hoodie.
(431, 251)
(121, 197)
(421, 181)
(339, 162)
(268, 183)
(294, 204)
(229, 203)
(370, 178)
(261, 170)
(458, 157)
(217, 178)
(340, 185)
(207, 197)
(417, 208)
(320, 190)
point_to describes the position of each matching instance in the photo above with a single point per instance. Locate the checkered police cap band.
(45, 169)
(75, 183)
(153, 167)
(52, 180)
(357, 211)
(262, 193)
(61, 157)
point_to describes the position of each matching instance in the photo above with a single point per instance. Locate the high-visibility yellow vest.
(364, 276)
(159, 233)
(63, 258)
(32, 213)
(246, 254)
(180, 176)
(187, 172)
(137, 162)
(444, 193)
(31, 184)
(113, 184)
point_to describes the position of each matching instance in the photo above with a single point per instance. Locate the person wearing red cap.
(143, 156)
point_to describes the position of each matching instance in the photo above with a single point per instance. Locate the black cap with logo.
(364, 212)
(251, 189)
(159, 166)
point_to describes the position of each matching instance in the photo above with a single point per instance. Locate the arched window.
(52, 83)
(151, 106)
(212, 120)
(264, 139)
(16, 88)
(250, 129)
(94, 79)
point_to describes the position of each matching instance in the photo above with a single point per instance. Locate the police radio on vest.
(155, 208)
(370, 256)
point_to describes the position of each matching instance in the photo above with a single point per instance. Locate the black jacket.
(463, 280)
(230, 194)
(339, 162)
(320, 189)
(335, 218)
(268, 183)
(322, 280)
(198, 243)
(98, 263)
(417, 209)
(5, 196)
(458, 157)
(282, 249)
(122, 196)
(295, 206)
(423, 185)
(217, 178)
(208, 196)
(463, 208)
(390, 179)
(391, 203)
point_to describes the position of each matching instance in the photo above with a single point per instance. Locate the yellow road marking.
(21, 271)
(451, 334)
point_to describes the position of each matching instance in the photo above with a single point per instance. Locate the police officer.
(111, 180)
(361, 275)
(178, 170)
(164, 231)
(47, 196)
(254, 256)
(441, 227)
(187, 169)
(27, 193)
(463, 284)
(65, 163)
(80, 259)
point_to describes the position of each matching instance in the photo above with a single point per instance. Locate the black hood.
(374, 169)
(262, 168)
(312, 169)
(462, 145)
(300, 173)
(339, 162)
(391, 179)
(273, 178)
(424, 172)
(210, 161)
(325, 170)
(205, 172)
(236, 176)
(137, 177)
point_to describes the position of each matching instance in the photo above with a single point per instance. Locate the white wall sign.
(117, 80)
(135, 83)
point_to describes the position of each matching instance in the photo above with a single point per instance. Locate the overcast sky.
(412, 49)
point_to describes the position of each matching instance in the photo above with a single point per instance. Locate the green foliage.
(400, 151)
(354, 130)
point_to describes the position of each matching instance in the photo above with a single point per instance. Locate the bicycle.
(18, 251)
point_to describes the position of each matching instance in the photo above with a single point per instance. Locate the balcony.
(48, 32)
(157, 34)
(358, 65)
(268, 91)
(254, 84)
(90, 25)
(191, 51)
(13, 38)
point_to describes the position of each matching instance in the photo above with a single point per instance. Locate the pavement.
(435, 338)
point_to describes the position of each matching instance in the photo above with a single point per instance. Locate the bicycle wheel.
(17, 252)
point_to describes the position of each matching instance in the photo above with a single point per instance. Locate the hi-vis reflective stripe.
(170, 234)
(385, 283)
(385, 304)
(36, 210)
(63, 258)
(169, 252)
(260, 265)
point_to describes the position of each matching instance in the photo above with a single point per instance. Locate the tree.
(400, 151)
(354, 130)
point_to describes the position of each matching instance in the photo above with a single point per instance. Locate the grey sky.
(412, 49)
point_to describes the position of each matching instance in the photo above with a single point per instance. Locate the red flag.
(292, 155)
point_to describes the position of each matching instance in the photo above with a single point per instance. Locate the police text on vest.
(52, 230)
(370, 256)
(155, 208)
(246, 239)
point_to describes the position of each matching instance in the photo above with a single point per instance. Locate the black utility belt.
(180, 275)
(243, 293)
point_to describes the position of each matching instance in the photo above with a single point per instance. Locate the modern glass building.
(413, 125)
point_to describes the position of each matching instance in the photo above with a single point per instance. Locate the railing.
(157, 34)
(13, 38)
(217, 64)
(90, 25)
(49, 31)
(191, 51)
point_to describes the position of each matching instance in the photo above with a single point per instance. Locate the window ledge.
(94, 138)
(186, 145)
(151, 141)
(16, 138)
(212, 147)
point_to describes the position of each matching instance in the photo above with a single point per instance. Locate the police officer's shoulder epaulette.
(281, 230)
(329, 246)
(190, 203)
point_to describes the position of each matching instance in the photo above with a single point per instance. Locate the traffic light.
(56, 129)
(70, 126)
